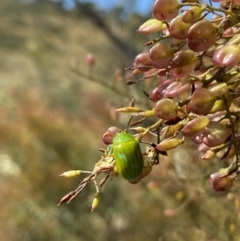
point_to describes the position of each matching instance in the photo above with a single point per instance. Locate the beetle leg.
(102, 150)
(137, 122)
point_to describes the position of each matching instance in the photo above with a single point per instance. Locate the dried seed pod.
(201, 35)
(175, 89)
(195, 126)
(147, 113)
(152, 26)
(219, 105)
(161, 55)
(193, 14)
(183, 63)
(221, 180)
(166, 109)
(208, 155)
(214, 134)
(171, 130)
(202, 101)
(228, 55)
(129, 109)
(219, 89)
(143, 62)
(157, 93)
(108, 136)
(96, 201)
(72, 173)
(179, 29)
(166, 9)
(169, 144)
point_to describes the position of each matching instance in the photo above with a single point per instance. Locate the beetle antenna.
(131, 104)
(128, 124)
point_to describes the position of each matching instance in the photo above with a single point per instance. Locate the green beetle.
(128, 156)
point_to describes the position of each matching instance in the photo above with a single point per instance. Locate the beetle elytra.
(128, 156)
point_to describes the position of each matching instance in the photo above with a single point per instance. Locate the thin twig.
(99, 81)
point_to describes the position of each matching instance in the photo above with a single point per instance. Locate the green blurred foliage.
(52, 121)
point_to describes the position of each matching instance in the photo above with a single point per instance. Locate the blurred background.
(54, 108)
